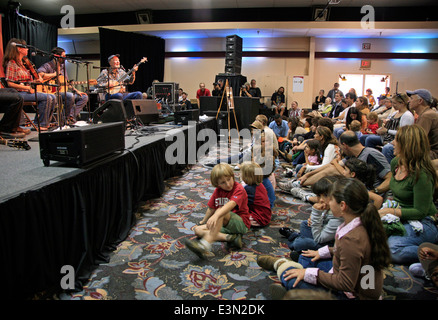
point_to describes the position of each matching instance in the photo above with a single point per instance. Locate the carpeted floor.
(153, 263)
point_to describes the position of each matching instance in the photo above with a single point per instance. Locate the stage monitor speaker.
(145, 110)
(185, 116)
(82, 145)
(112, 111)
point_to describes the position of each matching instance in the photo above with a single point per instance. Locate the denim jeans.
(125, 96)
(388, 151)
(46, 104)
(338, 131)
(371, 140)
(324, 265)
(270, 189)
(305, 241)
(404, 248)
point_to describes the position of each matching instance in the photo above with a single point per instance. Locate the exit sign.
(365, 64)
(366, 46)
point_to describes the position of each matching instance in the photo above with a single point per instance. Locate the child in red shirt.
(373, 124)
(258, 201)
(227, 216)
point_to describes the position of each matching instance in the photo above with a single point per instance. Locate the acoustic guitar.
(15, 143)
(117, 87)
(62, 82)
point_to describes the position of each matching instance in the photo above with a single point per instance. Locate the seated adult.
(420, 101)
(255, 91)
(279, 126)
(264, 121)
(413, 183)
(385, 135)
(326, 107)
(295, 111)
(353, 114)
(116, 79)
(10, 122)
(185, 103)
(278, 101)
(351, 147)
(244, 91)
(202, 92)
(329, 150)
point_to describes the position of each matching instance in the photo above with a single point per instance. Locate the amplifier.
(82, 145)
(185, 116)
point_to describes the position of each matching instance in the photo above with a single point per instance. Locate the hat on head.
(382, 97)
(422, 93)
(112, 56)
(257, 125)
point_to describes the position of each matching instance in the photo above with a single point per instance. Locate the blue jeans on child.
(304, 240)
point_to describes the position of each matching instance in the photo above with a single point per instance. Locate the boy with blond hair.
(227, 216)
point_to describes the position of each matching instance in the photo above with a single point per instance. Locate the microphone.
(19, 45)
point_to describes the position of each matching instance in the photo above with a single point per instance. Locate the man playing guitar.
(115, 85)
(74, 101)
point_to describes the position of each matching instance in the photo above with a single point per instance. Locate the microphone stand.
(86, 63)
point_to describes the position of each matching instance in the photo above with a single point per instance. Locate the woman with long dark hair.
(353, 268)
(19, 75)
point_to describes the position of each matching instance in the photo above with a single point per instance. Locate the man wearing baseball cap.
(113, 78)
(419, 101)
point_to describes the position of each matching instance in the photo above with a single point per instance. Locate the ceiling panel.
(53, 7)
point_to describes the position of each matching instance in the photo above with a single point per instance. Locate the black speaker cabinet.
(185, 116)
(112, 111)
(246, 110)
(82, 145)
(145, 110)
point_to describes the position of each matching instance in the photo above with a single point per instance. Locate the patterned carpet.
(153, 263)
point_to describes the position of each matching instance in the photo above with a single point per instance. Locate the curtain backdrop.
(36, 33)
(132, 47)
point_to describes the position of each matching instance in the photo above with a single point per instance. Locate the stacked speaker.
(233, 55)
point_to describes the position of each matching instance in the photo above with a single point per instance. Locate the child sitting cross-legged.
(360, 244)
(258, 201)
(319, 230)
(227, 216)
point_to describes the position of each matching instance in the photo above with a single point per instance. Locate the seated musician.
(10, 122)
(74, 101)
(117, 87)
(21, 75)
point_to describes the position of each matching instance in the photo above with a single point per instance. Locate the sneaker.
(294, 255)
(301, 194)
(197, 248)
(277, 291)
(235, 241)
(296, 184)
(267, 262)
(285, 232)
(286, 186)
(289, 173)
(416, 269)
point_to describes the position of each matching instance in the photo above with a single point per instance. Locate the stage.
(59, 215)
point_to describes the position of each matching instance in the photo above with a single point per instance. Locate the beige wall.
(272, 73)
